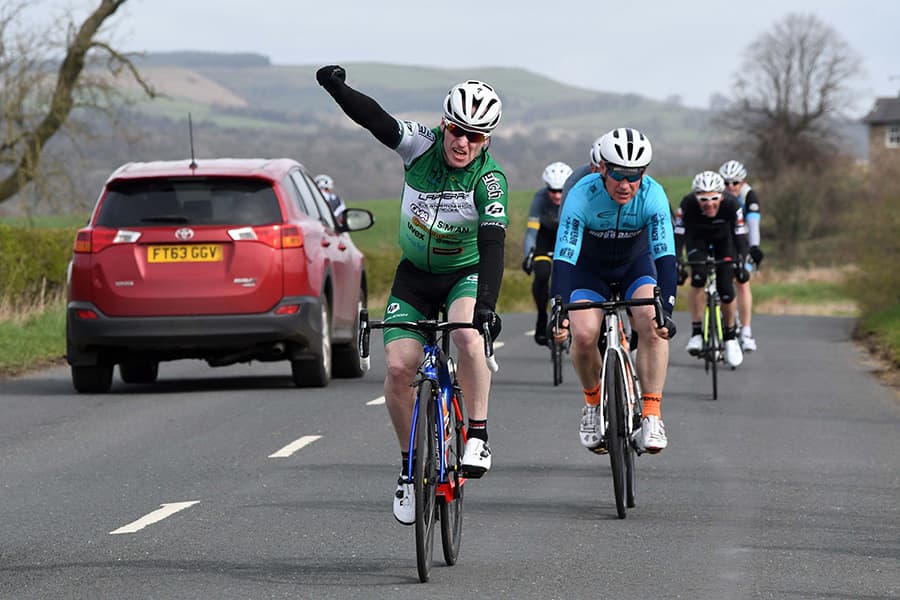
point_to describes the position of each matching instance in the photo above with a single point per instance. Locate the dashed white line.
(376, 401)
(529, 333)
(165, 510)
(294, 446)
(499, 345)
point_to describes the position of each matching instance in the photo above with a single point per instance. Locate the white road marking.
(376, 401)
(297, 444)
(529, 333)
(164, 510)
(499, 345)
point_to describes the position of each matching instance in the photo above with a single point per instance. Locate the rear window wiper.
(166, 219)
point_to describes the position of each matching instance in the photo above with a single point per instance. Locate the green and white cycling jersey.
(443, 207)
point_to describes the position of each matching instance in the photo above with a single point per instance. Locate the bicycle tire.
(707, 346)
(716, 347)
(425, 479)
(452, 510)
(556, 353)
(616, 441)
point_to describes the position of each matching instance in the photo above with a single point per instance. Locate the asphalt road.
(786, 487)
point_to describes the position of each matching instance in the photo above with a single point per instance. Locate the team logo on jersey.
(420, 211)
(754, 207)
(495, 209)
(473, 278)
(393, 307)
(494, 189)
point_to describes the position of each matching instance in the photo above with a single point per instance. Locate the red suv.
(226, 260)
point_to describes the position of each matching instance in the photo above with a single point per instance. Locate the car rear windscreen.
(195, 201)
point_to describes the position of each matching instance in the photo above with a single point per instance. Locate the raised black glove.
(528, 263)
(756, 254)
(331, 76)
(487, 316)
(682, 274)
(740, 272)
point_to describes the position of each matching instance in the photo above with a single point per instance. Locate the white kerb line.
(378, 400)
(164, 510)
(297, 444)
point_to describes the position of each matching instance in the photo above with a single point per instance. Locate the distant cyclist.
(592, 166)
(616, 229)
(735, 175)
(710, 216)
(540, 237)
(326, 185)
(453, 220)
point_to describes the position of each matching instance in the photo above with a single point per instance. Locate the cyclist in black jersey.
(540, 237)
(452, 231)
(709, 216)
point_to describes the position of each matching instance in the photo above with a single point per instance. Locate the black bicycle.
(437, 438)
(621, 404)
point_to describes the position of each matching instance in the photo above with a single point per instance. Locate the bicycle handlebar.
(560, 307)
(427, 326)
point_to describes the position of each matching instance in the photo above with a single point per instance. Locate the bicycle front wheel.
(556, 353)
(452, 508)
(614, 398)
(425, 478)
(716, 349)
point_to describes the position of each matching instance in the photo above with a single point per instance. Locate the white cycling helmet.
(596, 156)
(555, 175)
(708, 181)
(474, 105)
(626, 147)
(733, 171)
(324, 181)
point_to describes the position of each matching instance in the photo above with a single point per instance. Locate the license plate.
(185, 253)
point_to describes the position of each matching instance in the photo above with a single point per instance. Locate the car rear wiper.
(166, 219)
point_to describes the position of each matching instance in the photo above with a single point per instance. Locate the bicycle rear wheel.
(716, 349)
(452, 508)
(425, 479)
(614, 398)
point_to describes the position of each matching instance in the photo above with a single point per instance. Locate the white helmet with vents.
(324, 181)
(596, 156)
(733, 171)
(473, 105)
(708, 181)
(555, 175)
(626, 147)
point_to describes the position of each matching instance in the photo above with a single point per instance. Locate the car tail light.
(276, 236)
(85, 313)
(92, 241)
(288, 309)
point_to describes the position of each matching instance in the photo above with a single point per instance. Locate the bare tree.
(793, 87)
(38, 99)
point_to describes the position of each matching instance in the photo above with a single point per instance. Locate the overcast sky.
(655, 48)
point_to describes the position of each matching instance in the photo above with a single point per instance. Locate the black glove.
(487, 316)
(331, 76)
(740, 271)
(682, 274)
(528, 262)
(756, 254)
(669, 324)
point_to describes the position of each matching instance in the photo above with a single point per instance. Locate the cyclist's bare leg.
(745, 302)
(652, 357)
(471, 367)
(585, 327)
(403, 357)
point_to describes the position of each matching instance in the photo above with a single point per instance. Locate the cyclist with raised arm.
(735, 175)
(453, 219)
(326, 186)
(616, 230)
(540, 237)
(709, 216)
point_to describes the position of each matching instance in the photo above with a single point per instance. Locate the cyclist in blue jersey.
(453, 220)
(616, 230)
(735, 174)
(540, 237)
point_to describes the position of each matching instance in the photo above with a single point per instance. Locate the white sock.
(746, 332)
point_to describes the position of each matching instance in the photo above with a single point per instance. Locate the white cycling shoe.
(748, 343)
(652, 435)
(589, 431)
(694, 345)
(733, 355)
(405, 502)
(476, 459)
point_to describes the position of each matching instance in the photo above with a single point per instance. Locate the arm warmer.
(366, 112)
(491, 240)
(667, 277)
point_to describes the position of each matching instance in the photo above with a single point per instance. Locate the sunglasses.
(457, 131)
(629, 175)
(733, 182)
(715, 198)
(554, 190)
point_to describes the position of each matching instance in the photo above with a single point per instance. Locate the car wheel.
(346, 357)
(316, 372)
(143, 371)
(95, 379)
